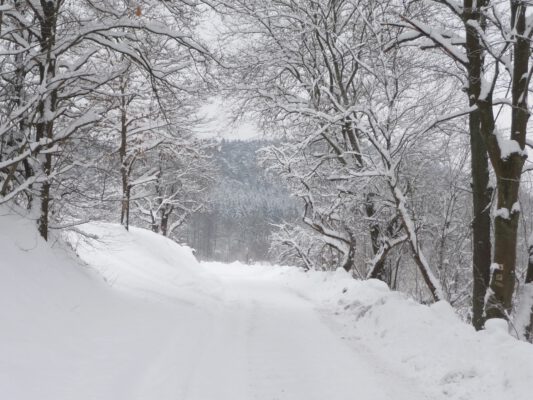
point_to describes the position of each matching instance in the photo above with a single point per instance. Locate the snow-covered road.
(139, 318)
(268, 343)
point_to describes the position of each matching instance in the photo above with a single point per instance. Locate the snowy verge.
(66, 333)
(429, 344)
(142, 262)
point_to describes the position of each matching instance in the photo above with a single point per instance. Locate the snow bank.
(426, 343)
(141, 261)
(66, 333)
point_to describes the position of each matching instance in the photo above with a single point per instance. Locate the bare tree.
(318, 72)
(63, 48)
(495, 54)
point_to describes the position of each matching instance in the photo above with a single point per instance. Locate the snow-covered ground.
(137, 317)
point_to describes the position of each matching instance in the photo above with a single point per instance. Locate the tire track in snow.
(291, 353)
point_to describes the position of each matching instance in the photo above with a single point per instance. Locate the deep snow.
(137, 317)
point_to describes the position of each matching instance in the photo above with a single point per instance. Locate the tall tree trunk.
(124, 168)
(508, 160)
(481, 242)
(45, 200)
(481, 193)
(47, 106)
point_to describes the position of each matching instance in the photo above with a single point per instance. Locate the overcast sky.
(216, 111)
(219, 123)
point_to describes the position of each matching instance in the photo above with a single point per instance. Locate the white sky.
(217, 112)
(219, 123)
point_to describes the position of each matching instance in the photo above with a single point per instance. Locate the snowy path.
(267, 343)
(164, 327)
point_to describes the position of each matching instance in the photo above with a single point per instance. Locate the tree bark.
(47, 106)
(165, 216)
(481, 193)
(124, 169)
(508, 168)
(377, 268)
(528, 292)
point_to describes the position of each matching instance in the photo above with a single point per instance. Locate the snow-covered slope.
(66, 333)
(136, 317)
(142, 261)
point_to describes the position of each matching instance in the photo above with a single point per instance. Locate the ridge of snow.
(427, 343)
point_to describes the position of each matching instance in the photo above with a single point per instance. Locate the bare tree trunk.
(502, 282)
(376, 271)
(481, 193)
(47, 106)
(481, 242)
(508, 168)
(124, 169)
(412, 237)
(45, 201)
(153, 222)
(165, 215)
(127, 201)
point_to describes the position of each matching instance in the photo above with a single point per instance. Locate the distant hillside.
(244, 202)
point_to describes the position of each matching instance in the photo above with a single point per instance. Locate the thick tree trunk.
(502, 282)
(481, 242)
(481, 193)
(481, 198)
(508, 161)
